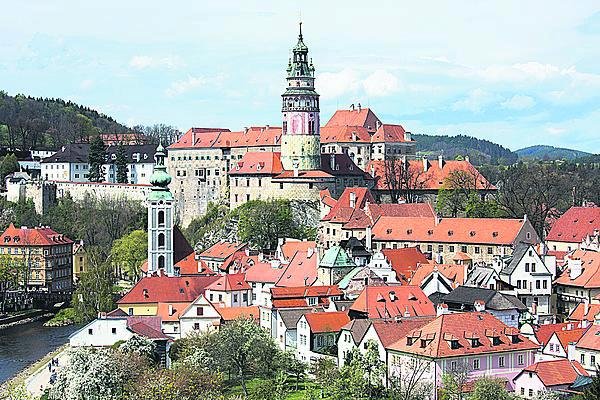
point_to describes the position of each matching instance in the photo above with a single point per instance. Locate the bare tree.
(403, 180)
(455, 380)
(409, 382)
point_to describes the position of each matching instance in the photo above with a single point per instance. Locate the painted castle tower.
(300, 141)
(160, 218)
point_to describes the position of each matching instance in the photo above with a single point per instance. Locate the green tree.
(206, 230)
(592, 392)
(181, 383)
(96, 158)
(8, 165)
(121, 164)
(290, 365)
(94, 291)
(13, 273)
(129, 252)
(490, 389)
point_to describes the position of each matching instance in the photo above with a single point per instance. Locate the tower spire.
(300, 36)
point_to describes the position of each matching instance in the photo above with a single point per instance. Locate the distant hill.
(27, 122)
(542, 152)
(479, 151)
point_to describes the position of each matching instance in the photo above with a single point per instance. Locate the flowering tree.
(140, 346)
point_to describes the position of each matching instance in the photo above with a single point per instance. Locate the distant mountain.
(542, 152)
(479, 151)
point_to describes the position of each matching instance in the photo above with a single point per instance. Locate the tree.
(140, 346)
(454, 382)
(94, 291)
(8, 165)
(97, 158)
(13, 273)
(408, 382)
(490, 389)
(206, 230)
(460, 193)
(15, 391)
(592, 392)
(121, 164)
(290, 365)
(129, 252)
(402, 179)
(159, 133)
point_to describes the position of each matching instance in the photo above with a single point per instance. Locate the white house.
(102, 332)
(380, 265)
(547, 376)
(350, 337)
(232, 290)
(200, 316)
(318, 334)
(557, 345)
(286, 334)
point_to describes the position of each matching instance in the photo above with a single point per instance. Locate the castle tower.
(300, 141)
(160, 218)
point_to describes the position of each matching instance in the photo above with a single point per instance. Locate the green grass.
(233, 388)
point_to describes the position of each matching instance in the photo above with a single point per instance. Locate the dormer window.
(312, 301)
(454, 344)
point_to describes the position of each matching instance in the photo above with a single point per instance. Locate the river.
(22, 345)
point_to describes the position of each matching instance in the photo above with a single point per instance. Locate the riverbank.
(23, 317)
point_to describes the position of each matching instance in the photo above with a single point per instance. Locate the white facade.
(160, 236)
(232, 298)
(102, 332)
(199, 317)
(380, 266)
(554, 349)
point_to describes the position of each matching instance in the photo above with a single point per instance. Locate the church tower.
(300, 141)
(160, 203)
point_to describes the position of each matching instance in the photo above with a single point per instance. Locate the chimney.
(352, 107)
(377, 125)
(296, 169)
(246, 129)
(441, 161)
(354, 136)
(332, 161)
(479, 305)
(425, 164)
(442, 309)
(407, 136)
(267, 127)
(309, 253)
(372, 170)
(193, 137)
(170, 309)
(368, 238)
(467, 159)
(586, 308)
(575, 268)
(352, 199)
(359, 107)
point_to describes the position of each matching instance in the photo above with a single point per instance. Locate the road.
(40, 381)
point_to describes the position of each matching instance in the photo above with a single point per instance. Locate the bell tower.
(160, 204)
(300, 140)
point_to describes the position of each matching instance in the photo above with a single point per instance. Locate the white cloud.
(518, 102)
(144, 61)
(86, 84)
(333, 84)
(476, 101)
(180, 87)
(381, 83)
(555, 131)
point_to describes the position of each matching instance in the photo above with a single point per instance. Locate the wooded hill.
(542, 152)
(27, 122)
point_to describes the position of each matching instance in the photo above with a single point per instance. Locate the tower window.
(161, 262)
(161, 240)
(161, 218)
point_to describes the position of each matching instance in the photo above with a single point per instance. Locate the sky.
(518, 73)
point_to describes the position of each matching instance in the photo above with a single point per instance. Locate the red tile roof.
(568, 336)
(345, 134)
(432, 179)
(405, 261)
(229, 283)
(341, 211)
(323, 322)
(312, 174)
(326, 197)
(291, 246)
(579, 313)
(301, 271)
(556, 372)
(258, 163)
(575, 224)
(224, 138)
(146, 331)
(390, 331)
(544, 332)
(460, 327)
(222, 250)
(590, 339)
(453, 272)
(364, 117)
(190, 266)
(499, 231)
(392, 301)
(38, 236)
(264, 271)
(165, 289)
(171, 311)
(590, 275)
(231, 313)
(294, 297)
(388, 133)
(400, 210)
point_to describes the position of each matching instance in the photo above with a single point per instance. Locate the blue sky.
(514, 72)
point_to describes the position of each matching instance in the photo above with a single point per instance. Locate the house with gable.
(318, 334)
(351, 336)
(199, 316)
(571, 228)
(579, 282)
(438, 278)
(334, 265)
(483, 277)
(587, 349)
(557, 345)
(217, 254)
(584, 313)
(397, 265)
(391, 301)
(548, 376)
(231, 289)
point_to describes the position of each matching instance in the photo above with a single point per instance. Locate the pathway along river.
(22, 345)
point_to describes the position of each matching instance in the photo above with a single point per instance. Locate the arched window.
(161, 262)
(161, 240)
(161, 218)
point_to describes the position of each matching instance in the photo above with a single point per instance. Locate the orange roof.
(575, 224)
(258, 163)
(291, 246)
(453, 272)
(390, 331)
(293, 297)
(432, 179)
(364, 117)
(544, 332)
(219, 138)
(264, 271)
(501, 231)
(301, 271)
(568, 336)
(342, 211)
(311, 174)
(165, 289)
(579, 313)
(345, 134)
(176, 308)
(393, 301)
(434, 339)
(556, 372)
(38, 236)
(231, 313)
(222, 250)
(590, 339)
(405, 261)
(460, 256)
(326, 197)
(190, 266)
(229, 283)
(323, 322)
(590, 275)
(400, 210)
(389, 133)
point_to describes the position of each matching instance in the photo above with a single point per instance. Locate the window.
(582, 360)
(593, 360)
(463, 249)
(245, 297)
(530, 392)
(303, 340)
(220, 297)
(545, 284)
(429, 247)
(440, 248)
(501, 361)
(451, 249)
(161, 240)
(312, 301)
(520, 359)
(522, 391)
(453, 366)
(210, 297)
(551, 346)
(196, 326)
(526, 267)
(130, 311)
(477, 249)
(91, 332)
(161, 218)
(235, 298)
(114, 331)
(476, 364)
(199, 311)
(490, 250)
(537, 284)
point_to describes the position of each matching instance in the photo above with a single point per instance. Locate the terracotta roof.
(500, 231)
(364, 117)
(390, 331)
(231, 313)
(264, 271)
(432, 179)
(222, 250)
(575, 224)
(311, 174)
(165, 289)
(392, 301)
(590, 275)
(388, 133)
(400, 210)
(341, 211)
(146, 331)
(579, 313)
(569, 336)
(434, 339)
(38, 236)
(590, 339)
(460, 256)
(190, 266)
(544, 332)
(453, 272)
(258, 163)
(229, 283)
(345, 134)
(224, 138)
(404, 261)
(171, 311)
(556, 372)
(294, 297)
(326, 197)
(291, 246)
(323, 322)
(301, 271)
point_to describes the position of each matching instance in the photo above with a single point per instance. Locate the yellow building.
(80, 261)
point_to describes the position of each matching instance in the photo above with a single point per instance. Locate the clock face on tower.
(297, 123)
